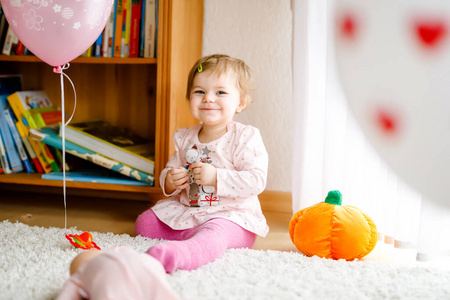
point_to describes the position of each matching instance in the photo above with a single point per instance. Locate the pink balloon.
(57, 31)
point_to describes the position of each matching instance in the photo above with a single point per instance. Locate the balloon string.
(60, 70)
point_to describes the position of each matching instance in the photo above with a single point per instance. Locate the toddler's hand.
(204, 174)
(176, 179)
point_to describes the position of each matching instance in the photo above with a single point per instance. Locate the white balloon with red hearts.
(393, 60)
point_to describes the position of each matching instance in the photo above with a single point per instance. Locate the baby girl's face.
(393, 59)
(214, 99)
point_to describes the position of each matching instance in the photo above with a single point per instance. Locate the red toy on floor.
(83, 241)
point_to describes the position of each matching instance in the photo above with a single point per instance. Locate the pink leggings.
(194, 247)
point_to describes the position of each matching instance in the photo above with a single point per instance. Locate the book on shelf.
(4, 164)
(30, 149)
(45, 116)
(136, 12)
(150, 28)
(98, 46)
(10, 83)
(88, 52)
(50, 136)
(21, 103)
(7, 116)
(20, 48)
(108, 33)
(118, 22)
(94, 174)
(12, 154)
(125, 51)
(115, 142)
(11, 42)
(142, 30)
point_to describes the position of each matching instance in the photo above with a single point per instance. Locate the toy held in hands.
(83, 241)
(331, 230)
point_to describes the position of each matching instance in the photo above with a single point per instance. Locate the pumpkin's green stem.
(334, 197)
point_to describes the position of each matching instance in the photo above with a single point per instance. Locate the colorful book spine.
(49, 135)
(16, 136)
(150, 25)
(118, 28)
(142, 31)
(3, 159)
(135, 24)
(98, 46)
(44, 149)
(20, 48)
(88, 52)
(108, 36)
(10, 40)
(40, 154)
(46, 116)
(15, 162)
(20, 103)
(126, 28)
(30, 149)
(124, 24)
(7, 115)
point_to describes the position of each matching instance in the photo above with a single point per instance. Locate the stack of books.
(30, 141)
(131, 31)
(108, 146)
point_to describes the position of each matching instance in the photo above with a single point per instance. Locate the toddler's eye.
(221, 92)
(199, 92)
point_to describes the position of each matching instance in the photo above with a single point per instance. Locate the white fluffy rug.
(34, 264)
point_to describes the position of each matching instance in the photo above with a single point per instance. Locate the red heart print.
(387, 121)
(348, 26)
(431, 33)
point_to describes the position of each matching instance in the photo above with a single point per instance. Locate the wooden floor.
(104, 215)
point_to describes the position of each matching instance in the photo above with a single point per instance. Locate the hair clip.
(200, 68)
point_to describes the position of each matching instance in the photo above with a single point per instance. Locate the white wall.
(260, 33)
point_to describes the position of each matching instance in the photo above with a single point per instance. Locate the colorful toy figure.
(83, 241)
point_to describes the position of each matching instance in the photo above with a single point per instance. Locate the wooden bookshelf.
(34, 179)
(146, 95)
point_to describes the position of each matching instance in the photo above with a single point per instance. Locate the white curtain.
(331, 153)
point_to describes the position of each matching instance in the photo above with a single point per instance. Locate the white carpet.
(34, 264)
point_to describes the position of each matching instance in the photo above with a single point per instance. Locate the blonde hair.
(221, 64)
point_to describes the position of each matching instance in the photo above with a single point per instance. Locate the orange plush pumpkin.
(331, 230)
